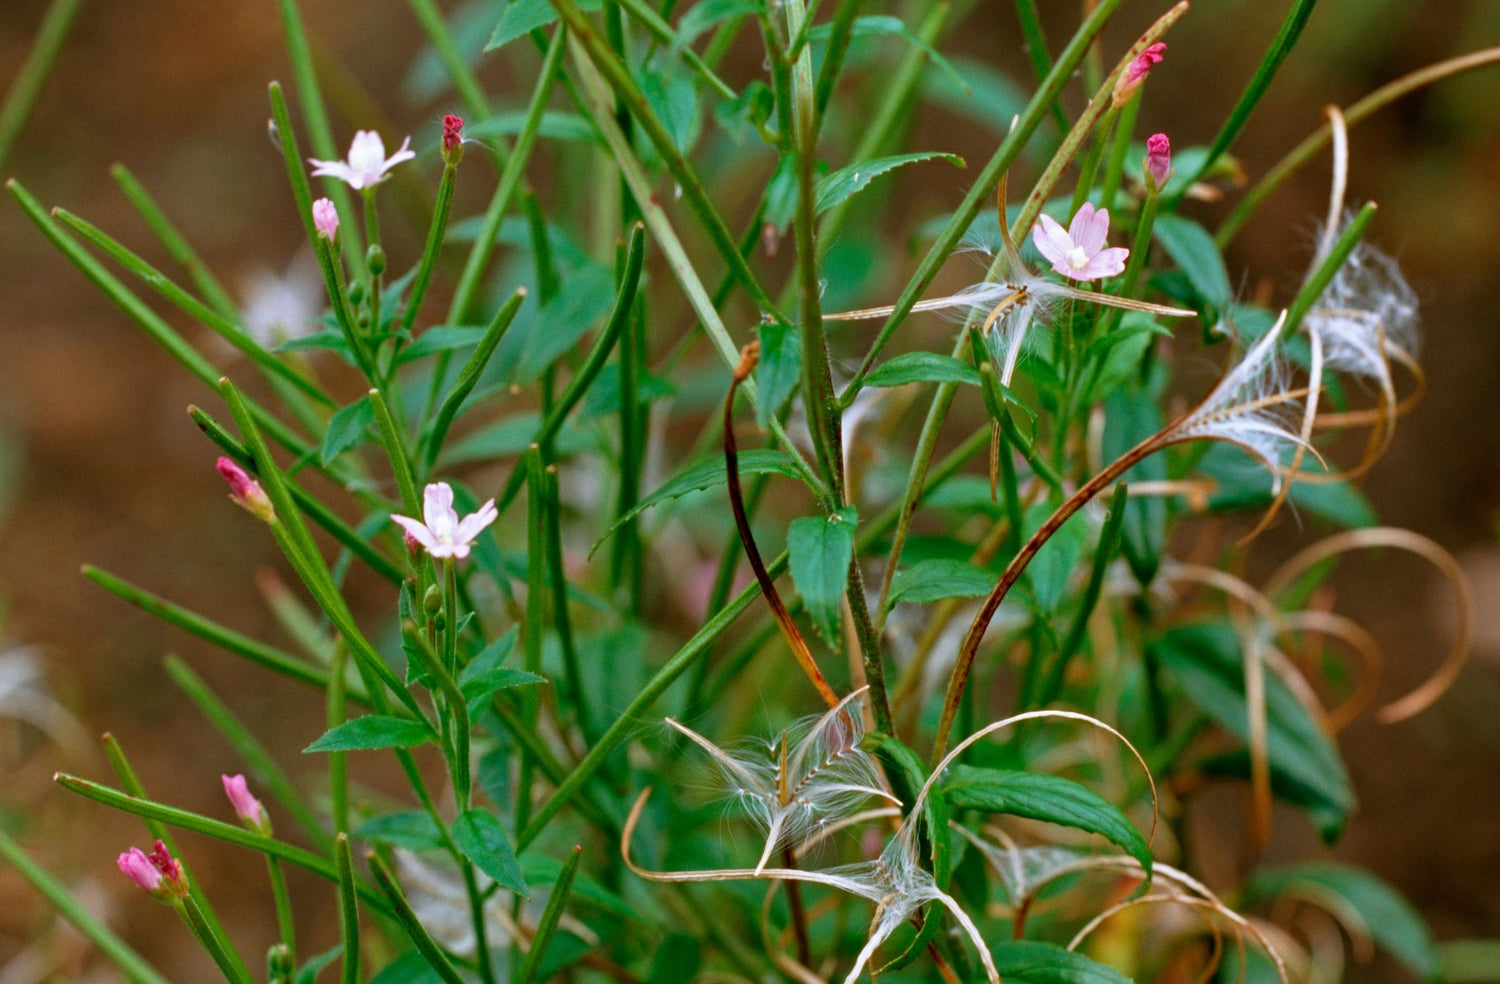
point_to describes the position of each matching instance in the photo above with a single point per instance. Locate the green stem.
(409, 921)
(175, 243)
(284, 921)
(557, 901)
(27, 84)
(60, 897)
(348, 912)
(228, 961)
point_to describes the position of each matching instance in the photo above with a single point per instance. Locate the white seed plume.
(814, 773)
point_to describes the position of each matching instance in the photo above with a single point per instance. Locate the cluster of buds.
(158, 874)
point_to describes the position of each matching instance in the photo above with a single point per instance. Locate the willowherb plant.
(518, 650)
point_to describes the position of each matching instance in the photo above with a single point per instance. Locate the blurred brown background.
(99, 463)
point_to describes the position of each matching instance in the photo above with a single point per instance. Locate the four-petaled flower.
(367, 165)
(443, 534)
(1078, 251)
(158, 874)
(246, 806)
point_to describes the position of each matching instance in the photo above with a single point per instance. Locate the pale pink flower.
(1079, 252)
(326, 218)
(367, 165)
(245, 491)
(246, 806)
(158, 874)
(1158, 161)
(443, 534)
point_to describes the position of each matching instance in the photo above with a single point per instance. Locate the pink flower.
(453, 139)
(367, 165)
(245, 491)
(1158, 161)
(1078, 252)
(246, 806)
(1135, 73)
(326, 218)
(444, 534)
(158, 874)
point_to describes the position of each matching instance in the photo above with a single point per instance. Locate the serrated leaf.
(483, 841)
(922, 367)
(1388, 918)
(933, 580)
(370, 732)
(415, 831)
(346, 428)
(819, 549)
(1206, 662)
(1034, 962)
(524, 16)
(780, 367)
(482, 685)
(1039, 796)
(1196, 254)
(848, 181)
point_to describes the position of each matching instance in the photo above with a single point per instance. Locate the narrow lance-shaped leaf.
(820, 548)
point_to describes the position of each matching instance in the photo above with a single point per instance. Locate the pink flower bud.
(158, 874)
(139, 869)
(1135, 73)
(453, 139)
(326, 218)
(246, 806)
(1158, 161)
(245, 491)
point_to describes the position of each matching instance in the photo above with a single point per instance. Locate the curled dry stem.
(1447, 672)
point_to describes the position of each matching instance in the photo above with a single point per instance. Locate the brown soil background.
(111, 472)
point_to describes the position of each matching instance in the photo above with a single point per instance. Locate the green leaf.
(922, 367)
(757, 461)
(372, 731)
(524, 16)
(309, 971)
(1242, 483)
(780, 367)
(707, 13)
(346, 429)
(1206, 662)
(1388, 918)
(415, 831)
(1130, 416)
(332, 340)
(409, 968)
(884, 26)
(1054, 799)
(848, 181)
(980, 93)
(538, 869)
(1033, 962)
(675, 100)
(1192, 248)
(554, 126)
(582, 302)
(1053, 566)
(490, 657)
(483, 841)
(820, 548)
(781, 193)
(481, 685)
(441, 338)
(933, 580)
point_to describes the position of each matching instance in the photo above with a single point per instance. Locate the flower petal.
(1089, 228)
(437, 506)
(1053, 241)
(418, 531)
(476, 521)
(405, 153)
(367, 153)
(1106, 263)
